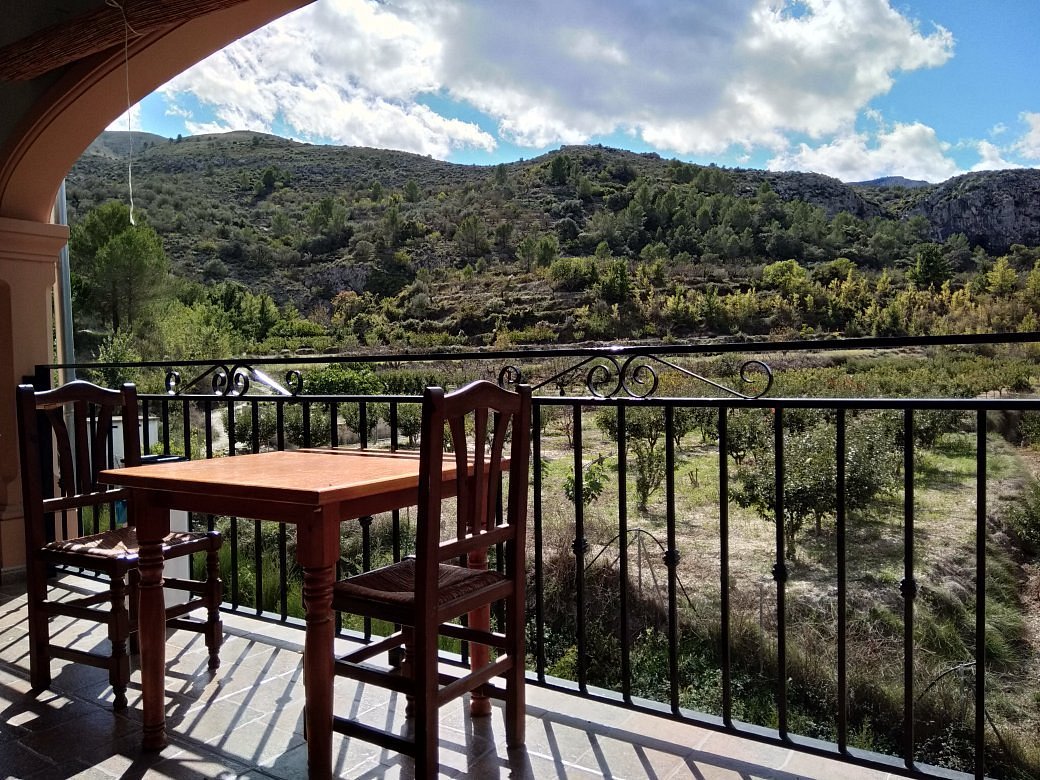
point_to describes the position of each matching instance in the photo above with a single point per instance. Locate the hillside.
(468, 251)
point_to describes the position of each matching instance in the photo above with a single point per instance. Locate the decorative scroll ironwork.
(510, 377)
(235, 381)
(610, 376)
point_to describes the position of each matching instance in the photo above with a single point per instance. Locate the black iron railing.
(679, 605)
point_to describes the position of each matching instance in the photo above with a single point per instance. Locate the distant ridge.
(891, 181)
(116, 143)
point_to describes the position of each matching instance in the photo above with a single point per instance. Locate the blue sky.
(855, 89)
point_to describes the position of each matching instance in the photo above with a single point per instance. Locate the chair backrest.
(476, 423)
(71, 427)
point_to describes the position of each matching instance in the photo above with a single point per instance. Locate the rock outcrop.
(994, 209)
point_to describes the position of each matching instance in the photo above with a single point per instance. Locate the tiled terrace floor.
(246, 721)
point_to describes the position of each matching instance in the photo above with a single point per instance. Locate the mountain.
(306, 222)
(120, 145)
(891, 181)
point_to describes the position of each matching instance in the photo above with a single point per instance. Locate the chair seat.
(122, 543)
(394, 586)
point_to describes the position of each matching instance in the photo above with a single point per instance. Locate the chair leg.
(39, 628)
(427, 732)
(407, 667)
(134, 580)
(118, 634)
(214, 595)
(515, 704)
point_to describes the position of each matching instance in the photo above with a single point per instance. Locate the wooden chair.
(449, 575)
(75, 420)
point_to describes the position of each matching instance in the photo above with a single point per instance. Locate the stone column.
(28, 262)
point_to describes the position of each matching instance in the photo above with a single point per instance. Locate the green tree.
(810, 475)
(931, 266)
(559, 170)
(614, 284)
(1002, 279)
(122, 268)
(787, 276)
(471, 236)
(644, 432)
(547, 251)
(527, 251)
(593, 482)
(504, 236)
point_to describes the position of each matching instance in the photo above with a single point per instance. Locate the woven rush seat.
(122, 543)
(395, 584)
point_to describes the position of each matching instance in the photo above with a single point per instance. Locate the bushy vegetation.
(282, 248)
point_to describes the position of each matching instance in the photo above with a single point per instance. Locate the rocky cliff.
(992, 208)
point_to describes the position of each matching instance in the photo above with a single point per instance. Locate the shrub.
(573, 273)
(810, 475)
(1022, 518)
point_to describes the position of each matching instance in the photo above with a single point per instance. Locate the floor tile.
(245, 720)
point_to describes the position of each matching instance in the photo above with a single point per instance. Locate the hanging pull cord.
(127, 29)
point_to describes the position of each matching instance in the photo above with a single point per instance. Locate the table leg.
(317, 551)
(479, 656)
(153, 524)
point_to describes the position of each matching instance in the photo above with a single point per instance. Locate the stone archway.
(57, 125)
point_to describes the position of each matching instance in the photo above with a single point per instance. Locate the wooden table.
(312, 489)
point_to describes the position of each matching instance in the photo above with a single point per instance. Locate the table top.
(313, 477)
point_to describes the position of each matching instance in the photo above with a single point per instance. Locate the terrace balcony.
(682, 635)
(228, 724)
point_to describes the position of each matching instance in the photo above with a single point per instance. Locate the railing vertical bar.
(186, 436)
(164, 406)
(283, 530)
(258, 537)
(980, 594)
(622, 488)
(254, 419)
(724, 603)
(333, 428)
(536, 532)
(671, 557)
(780, 574)
(366, 561)
(231, 424)
(233, 524)
(842, 562)
(207, 427)
(579, 551)
(110, 456)
(908, 587)
(363, 424)
(306, 423)
(395, 515)
(186, 427)
(146, 434)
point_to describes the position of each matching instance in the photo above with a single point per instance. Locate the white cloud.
(685, 76)
(128, 120)
(910, 150)
(991, 158)
(693, 76)
(346, 72)
(1029, 144)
